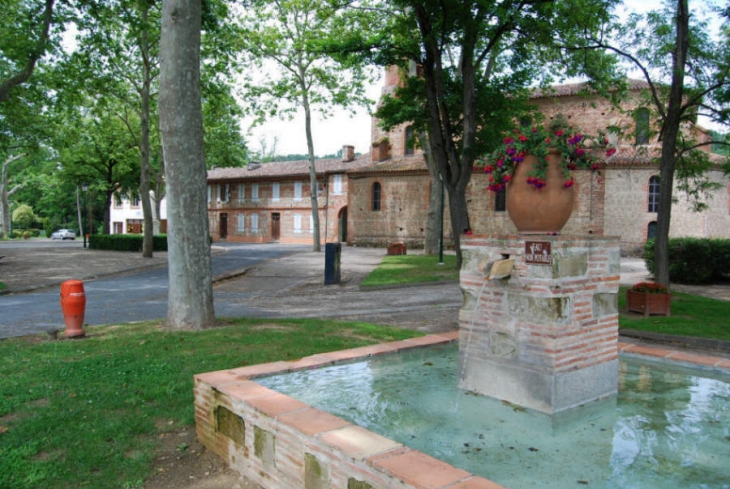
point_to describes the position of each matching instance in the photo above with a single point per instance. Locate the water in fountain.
(669, 427)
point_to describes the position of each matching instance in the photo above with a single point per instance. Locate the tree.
(688, 73)
(190, 296)
(24, 215)
(288, 33)
(118, 54)
(25, 33)
(476, 61)
(98, 148)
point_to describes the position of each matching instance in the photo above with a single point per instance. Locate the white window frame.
(311, 224)
(254, 192)
(254, 223)
(241, 192)
(210, 193)
(275, 192)
(241, 223)
(337, 185)
(297, 223)
(297, 190)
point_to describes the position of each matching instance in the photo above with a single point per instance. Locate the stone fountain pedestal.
(541, 332)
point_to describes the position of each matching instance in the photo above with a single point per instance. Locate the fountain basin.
(276, 441)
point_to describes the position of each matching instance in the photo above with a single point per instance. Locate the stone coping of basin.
(390, 459)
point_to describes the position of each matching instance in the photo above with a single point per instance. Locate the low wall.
(278, 442)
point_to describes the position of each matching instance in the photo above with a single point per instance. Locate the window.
(254, 223)
(241, 192)
(641, 118)
(311, 224)
(117, 202)
(210, 193)
(275, 192)
(653, 194)
(337, 185)
(651, 230)
(241, 223)
(500, 201)
(408, 143)
(224, 192)
(376, 196)
(297, 190)
(297, 223)
(135, 202)
(255, 192)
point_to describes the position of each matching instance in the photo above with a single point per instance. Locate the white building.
(126, 216)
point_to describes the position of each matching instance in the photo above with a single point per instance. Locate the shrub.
(125, 242)
(693, 260)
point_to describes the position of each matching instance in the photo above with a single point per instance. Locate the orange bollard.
(73, 305)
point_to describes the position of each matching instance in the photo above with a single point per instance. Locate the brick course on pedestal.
(546, 336)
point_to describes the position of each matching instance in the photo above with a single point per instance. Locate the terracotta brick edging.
(281, 443)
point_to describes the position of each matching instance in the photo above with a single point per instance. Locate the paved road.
(134, 296)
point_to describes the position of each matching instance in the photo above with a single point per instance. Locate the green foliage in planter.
(693, 260)
(125, 242)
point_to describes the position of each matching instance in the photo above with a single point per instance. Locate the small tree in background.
(23, 215)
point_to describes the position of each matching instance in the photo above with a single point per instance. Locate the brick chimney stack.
(348, 153)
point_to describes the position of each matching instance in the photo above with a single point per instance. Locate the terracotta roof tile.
(413, 163)
(569, 89)
(299, 168)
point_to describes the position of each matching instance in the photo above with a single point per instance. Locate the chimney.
(348, 153)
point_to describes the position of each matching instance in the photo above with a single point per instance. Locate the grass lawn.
(405, 269)
(88, 412)
(692, 315)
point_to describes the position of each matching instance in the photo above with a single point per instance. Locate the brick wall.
(548, 332)
(280, 443)
(331, 206)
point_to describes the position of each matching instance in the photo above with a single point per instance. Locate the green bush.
(125, 242)
(693, 260)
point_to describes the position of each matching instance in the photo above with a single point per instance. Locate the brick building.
(389, 199)
(271, 202)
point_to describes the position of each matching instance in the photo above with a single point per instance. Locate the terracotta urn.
(544, 210)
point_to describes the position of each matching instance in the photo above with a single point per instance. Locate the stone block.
(571, 265)
(605, 305)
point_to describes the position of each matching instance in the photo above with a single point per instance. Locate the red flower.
(523, 138)
(559, 133)
(610, 152)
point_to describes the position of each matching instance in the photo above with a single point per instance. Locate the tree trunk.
(144, 141)
(669, 134)
(435, 211)
(5, 194)
(190, 296)
(316, 245)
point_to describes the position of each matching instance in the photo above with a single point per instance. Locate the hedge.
(693, 260)
(125, 242)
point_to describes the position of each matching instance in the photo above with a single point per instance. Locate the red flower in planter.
(650, 288)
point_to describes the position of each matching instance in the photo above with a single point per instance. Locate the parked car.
(63, 234)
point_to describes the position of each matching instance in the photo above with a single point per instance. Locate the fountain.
(538, 337)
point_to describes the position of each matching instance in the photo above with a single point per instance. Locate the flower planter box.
(646, 303)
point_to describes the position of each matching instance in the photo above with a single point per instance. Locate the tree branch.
(35, 55)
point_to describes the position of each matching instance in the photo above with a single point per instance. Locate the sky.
(329, 134)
